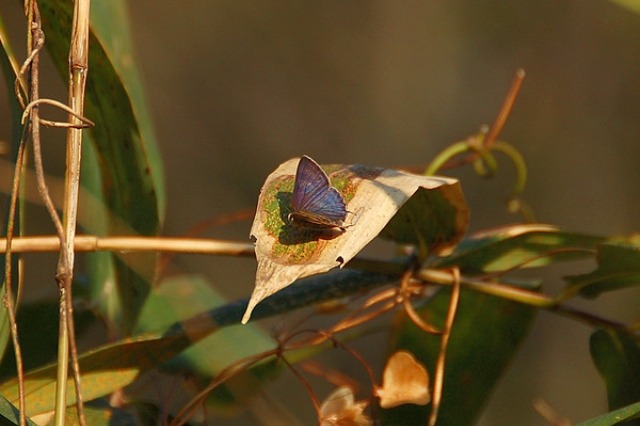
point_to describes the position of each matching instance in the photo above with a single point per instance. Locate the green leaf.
(523, 246)
(617, 358)
(182, 297)
(618, 267)
(434, 218)
(38, 333)
(111, 25)
(616, 417)
(100, 415)
(9, 413)
(103, 370)
(114, 366)
(485, 336)
(131, 174)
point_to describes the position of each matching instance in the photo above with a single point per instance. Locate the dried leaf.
(374, 196)
(405, 381)
(340, 409)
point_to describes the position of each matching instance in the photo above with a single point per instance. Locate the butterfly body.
(314, 202)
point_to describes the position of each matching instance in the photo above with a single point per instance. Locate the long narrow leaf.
(616, 417)
(130, 172)
(525, 246)
(114, 366)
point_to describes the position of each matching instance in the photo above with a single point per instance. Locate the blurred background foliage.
(235, 88)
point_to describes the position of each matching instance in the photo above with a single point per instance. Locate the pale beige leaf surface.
(341, 409)
(286, 252)
(405, 381)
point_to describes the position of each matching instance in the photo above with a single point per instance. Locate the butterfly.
(314, 202)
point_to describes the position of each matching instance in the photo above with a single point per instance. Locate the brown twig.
(485, 139)
(520, 295)
(507, 106)
(8, 297)
(35, 40)
(91, 243)
(85, 122)
(78, 71)
(37, 37)
(225, 374)
(438, 380)
(406, 293)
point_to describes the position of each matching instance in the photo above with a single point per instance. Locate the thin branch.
(406, 291)
(227, 373)
(481, 143)
(85, 121)
(8, 282)
(37, 36)
(78, 72)
(35, 25)
(35, 44)
(438, 380)
(507, 106)
(520, 295)
(92, 243)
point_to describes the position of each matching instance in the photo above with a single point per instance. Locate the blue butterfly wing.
(313, 198)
